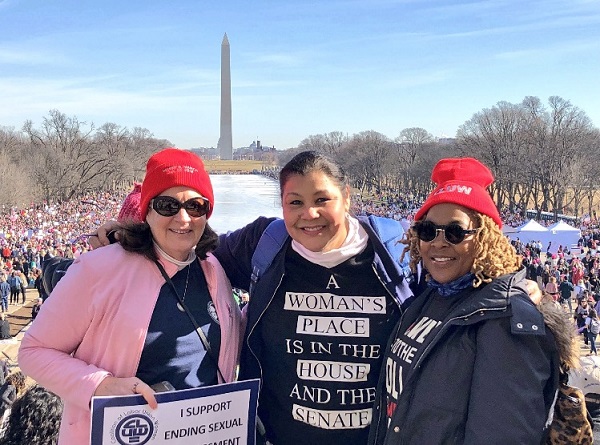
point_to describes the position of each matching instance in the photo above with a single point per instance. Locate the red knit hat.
(173, 167)
(462, 181)
(130, 209)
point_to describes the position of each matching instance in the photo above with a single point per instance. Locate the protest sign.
(213, 415)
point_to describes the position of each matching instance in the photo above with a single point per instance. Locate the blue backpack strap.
(390, 233)
(270, 243)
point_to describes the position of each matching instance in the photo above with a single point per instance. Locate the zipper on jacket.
(387, 290)
(439, 333)
(255, 324)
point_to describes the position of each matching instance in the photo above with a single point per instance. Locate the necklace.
(179, 306)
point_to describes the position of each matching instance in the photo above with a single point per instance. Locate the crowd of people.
(29, 414)
(403, 205)
(29, 236)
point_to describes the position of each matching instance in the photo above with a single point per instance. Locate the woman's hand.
(535, 294)
(101, 237)
(115, 386)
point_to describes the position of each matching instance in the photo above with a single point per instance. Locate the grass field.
(233, 166)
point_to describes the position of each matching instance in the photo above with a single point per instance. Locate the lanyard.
(198, 329)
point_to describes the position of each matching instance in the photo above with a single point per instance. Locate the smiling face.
(444, 261)
(314, 211)
(177, 235)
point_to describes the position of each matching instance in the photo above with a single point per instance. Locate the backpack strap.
(390, 233)
(270, 243)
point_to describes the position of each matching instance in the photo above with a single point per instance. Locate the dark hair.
(34, 419)
(309, 161)
(137, 238)
(16, 379)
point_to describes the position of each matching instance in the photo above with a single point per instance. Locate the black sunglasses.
(453, 232)
(169, 206)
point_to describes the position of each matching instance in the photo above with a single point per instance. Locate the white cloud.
(409, 80)
(33, 98)
(28, 57)
(283, 60)
(559, 49)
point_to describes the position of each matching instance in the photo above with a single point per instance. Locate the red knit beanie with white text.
(173, 167)
(462, 181)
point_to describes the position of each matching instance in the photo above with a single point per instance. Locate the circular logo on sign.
(134, 429)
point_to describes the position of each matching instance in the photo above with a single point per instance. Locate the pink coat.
(95, 324)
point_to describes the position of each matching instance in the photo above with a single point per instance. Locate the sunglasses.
(453, 232)
(169, 206)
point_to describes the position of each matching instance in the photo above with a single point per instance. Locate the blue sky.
(298, 67)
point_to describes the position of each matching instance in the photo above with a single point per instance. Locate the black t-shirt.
(410, 339)
(173, 350)
(321, 369)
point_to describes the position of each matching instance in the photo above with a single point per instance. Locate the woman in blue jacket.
(320, 315)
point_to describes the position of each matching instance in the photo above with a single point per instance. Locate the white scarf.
(180, 264)
(355, 243)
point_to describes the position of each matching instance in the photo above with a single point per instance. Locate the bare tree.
(592, 185)
(70, 157)
(556, 139)
(334, 143)
(413, 147)
(63, 147)
(496, 137)
(113, 143)
(373, 151)
(10, 140)
(16, 185)
(314, 142)
(329, 143)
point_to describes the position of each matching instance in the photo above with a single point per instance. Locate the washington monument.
(225, 144)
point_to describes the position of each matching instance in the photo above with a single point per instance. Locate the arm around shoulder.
(236, 248)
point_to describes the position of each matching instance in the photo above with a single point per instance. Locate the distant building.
(208, 154)
(255, 152)
(249, 153)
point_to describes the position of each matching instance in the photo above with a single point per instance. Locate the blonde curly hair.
(494, 255)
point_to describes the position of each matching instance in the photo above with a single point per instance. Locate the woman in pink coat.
(120, 320)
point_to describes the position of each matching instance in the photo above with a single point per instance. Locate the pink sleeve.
(64, 319)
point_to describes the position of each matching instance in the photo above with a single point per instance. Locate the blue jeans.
(592, 339)
(4, 302)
